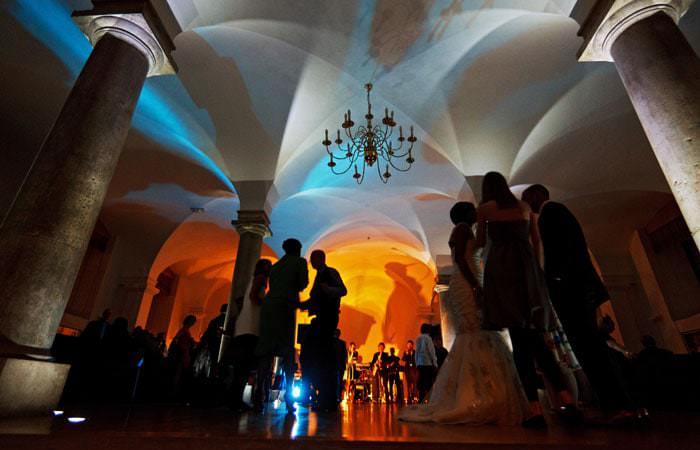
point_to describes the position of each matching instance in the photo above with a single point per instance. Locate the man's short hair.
(292, 246)
(535, 196)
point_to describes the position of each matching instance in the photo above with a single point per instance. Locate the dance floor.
(357, 426)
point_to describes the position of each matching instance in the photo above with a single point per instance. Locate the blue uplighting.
(49, 21)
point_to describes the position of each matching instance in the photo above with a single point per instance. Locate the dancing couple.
(482, 382)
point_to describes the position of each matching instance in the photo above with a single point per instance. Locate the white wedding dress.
(478, 383)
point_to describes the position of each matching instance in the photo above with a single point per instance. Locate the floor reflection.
(352, 423)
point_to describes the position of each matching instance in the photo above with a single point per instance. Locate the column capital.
(147, 285)
(255, 222)
(602, 21)
(135, 22)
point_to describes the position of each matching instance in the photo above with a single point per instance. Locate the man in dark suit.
(324, 302)
(378, 365)
(577, 291)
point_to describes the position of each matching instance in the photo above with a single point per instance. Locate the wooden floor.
(357, 426)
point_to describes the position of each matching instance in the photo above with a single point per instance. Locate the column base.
(30, 387)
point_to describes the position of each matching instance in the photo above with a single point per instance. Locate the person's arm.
(431, 351)
(536, 239)
(303, 279)
(481, 216)
(257, 288)
(337, 288)
(462, 236)
(535, 236)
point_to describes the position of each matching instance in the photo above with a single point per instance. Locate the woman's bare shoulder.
(487, 207)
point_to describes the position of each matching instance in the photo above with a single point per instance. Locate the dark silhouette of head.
(425, 328)
(189, 321)
(392, 351)
(318, 259)
(648, 341)
(223, 308)
(292, 247)
(106, 314)
(337, 333)
(437, 341)
(607, 324)
(381, 346)
(262, 267)
(495, 188)
(463, 212)
(535, 196)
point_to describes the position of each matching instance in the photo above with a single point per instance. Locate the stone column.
(46, 231)
(252, 227)
(661, 73)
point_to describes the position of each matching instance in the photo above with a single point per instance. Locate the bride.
(478, 383)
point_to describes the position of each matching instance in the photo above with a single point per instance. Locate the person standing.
(515, 291)
(393, 377)
(411, 372)
(478, 383)
(180, 355)
(246, 332)
(440, 351)
(378, 367)
(324, 302)
(341, 351)
(288, 277)
(426, 361)
(577, 291)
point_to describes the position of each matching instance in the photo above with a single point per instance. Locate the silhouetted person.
(515, 290)
(378, 365)
(652, 353)
(311, 359)
(353, 358)
(247, 329)
(208, 349)
(96, 330)
(324, 302)
(393, 377)
(426, 361)
(576, 292)
(86, 372)
(119, 353)
(440, 351)
(180, 354)
(411, 371)
(341, 352)
(288, 277)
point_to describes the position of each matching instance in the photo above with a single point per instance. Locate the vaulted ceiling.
(488, 85)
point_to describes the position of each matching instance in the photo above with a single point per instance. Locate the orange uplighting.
(389, 291)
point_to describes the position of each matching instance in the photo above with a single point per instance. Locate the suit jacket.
(327, 303)
(572, 280)
(383, 357)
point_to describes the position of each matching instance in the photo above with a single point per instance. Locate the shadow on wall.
(355, 325)
(400, 323)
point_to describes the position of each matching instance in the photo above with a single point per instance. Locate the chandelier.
(369, 145)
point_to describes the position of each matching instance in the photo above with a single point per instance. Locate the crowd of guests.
(557, 295)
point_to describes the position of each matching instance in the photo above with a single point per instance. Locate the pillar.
(135, 297)
(252, 227)
(46, 232)
(661, 74)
